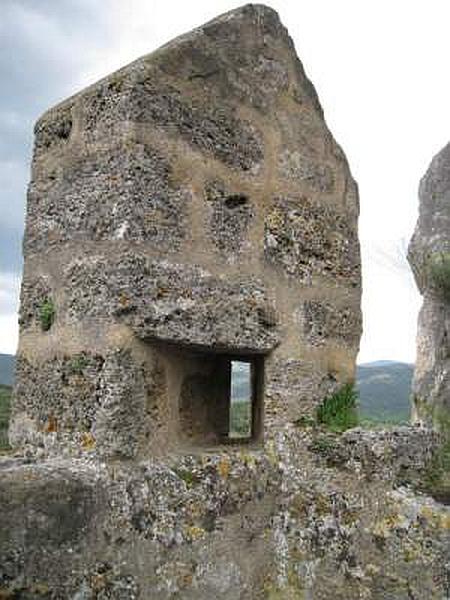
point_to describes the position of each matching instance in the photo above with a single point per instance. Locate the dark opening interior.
(221, 399)
(235, 200)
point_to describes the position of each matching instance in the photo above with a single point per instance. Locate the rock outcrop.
(309, 516)
(429, 256)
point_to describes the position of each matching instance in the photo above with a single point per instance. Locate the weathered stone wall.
(429, 256)
(311, 516)
(191, 208)
(194, 199)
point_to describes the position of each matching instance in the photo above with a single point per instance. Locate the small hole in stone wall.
(64, 129)
(235, 200)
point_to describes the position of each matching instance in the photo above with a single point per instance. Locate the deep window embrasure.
(221, 399)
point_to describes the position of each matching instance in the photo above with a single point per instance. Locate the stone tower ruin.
(188, 215)
(190, 210)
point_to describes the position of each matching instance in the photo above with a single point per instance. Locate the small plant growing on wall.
(47, 314)
(338, 412)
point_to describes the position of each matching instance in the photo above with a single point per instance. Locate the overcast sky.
(380, 69)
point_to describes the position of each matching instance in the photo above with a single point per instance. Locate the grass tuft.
(338, 412)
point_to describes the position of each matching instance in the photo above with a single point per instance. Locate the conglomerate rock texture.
(311, 516)
(191, 206)
(189, 210)
(429, 256)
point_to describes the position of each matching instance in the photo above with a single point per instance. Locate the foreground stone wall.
(429, 256)
(193, 201)
(312, 516)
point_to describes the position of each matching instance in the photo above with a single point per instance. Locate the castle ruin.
(186, 211)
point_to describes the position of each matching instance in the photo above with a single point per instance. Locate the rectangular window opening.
(220, 398)
(241, 400)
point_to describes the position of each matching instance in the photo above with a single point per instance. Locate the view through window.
(240, 424)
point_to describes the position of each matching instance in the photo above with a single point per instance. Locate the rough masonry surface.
(190, 208)
(312, 516)
(192, 205)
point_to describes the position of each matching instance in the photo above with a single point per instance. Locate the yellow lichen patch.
(350, 516)
(436, 519)
(271, 453)
(372, 570)
(445, 521)
(322, 505)
(275, 220)
(247, 459)
(223, 467)
(427, 513)
(384, 527)
(410, 554)
(194, 533)
(195, 509)
(87, 441)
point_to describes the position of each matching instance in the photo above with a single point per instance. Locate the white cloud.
(9, 333)
(390, 303)
(9, 294)
(13, 181)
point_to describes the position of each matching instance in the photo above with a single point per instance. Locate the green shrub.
(338, 412)
(47, 314)
(439, 273)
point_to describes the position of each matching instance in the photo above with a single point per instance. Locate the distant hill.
(7, 364)
(382, 363)
(384, 391)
